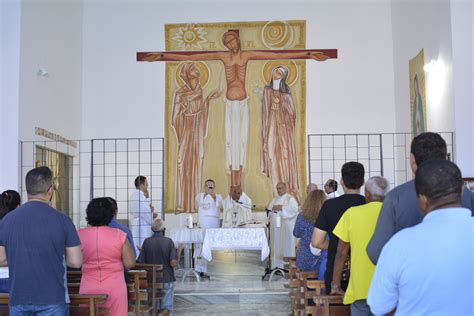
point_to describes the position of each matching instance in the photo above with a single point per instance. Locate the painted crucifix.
(235, 64)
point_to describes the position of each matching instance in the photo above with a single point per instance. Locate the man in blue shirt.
(125, 229)
(39, 241)
(427, 269)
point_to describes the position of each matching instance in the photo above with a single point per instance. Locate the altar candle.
(190, 221)
(278, 221)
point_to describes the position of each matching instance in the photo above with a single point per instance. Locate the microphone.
(246, 205)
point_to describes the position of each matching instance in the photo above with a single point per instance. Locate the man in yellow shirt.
(354, 229)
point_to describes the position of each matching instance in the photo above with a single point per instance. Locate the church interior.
(79, 96)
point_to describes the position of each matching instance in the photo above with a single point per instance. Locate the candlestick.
(190, 221)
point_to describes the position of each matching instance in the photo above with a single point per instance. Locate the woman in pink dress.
(106, 251)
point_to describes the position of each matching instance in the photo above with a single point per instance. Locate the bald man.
(311, 187)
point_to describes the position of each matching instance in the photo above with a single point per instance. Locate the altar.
(253, 237)
(235, 239)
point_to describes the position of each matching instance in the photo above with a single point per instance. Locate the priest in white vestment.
(284, 210)
(237, 208)
(209, 206)
(141, 211)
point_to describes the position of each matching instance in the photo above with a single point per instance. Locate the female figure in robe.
(189, 120)
(418, 116)
(278, 152)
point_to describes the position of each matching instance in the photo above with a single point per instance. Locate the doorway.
(61, 166)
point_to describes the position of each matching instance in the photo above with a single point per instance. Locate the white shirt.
(139, 207)
(333, 195)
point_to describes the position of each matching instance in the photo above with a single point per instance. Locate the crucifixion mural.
(280, 112)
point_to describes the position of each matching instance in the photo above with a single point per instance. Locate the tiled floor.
(235, 287)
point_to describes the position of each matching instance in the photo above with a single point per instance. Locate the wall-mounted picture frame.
(469, 183)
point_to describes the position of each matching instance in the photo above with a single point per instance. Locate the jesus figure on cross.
(235, 64)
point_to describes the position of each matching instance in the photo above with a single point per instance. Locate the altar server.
(141, 210)
(209, 210)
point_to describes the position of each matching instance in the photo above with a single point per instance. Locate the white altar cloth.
(186, 235)
(235, 238)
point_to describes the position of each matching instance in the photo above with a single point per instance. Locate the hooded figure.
(189, 121)
(278, 151)
(418, 116)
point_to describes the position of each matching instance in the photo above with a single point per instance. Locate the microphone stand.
(245, 205)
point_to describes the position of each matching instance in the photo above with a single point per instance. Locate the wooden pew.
(317, 303)
(73, 281)
(295, 284)
(136, 287)
(292, 285)
(311, 288)
(298, 300)
(137, 293)
(81, 304)
(331, 305)
(154, 278)
(289, 262)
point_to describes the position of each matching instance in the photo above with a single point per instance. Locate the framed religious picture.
(417, 94)
(469, 183)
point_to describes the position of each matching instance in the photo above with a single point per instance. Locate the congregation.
(407, 250)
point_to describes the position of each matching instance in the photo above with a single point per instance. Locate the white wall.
(418, 24)
(123, 98)
(462, 17)
(51, 38)
(10, 13)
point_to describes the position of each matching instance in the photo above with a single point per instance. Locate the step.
(232, 303)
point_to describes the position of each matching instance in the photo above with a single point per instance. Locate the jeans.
(360, 308)
(166, 302)
(40, 310)
(5, 285)
(322, 265)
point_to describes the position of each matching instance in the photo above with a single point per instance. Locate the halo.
(277, 35)
(270, 65)
(203, 70)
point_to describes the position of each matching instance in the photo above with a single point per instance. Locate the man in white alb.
(141, 211)
(237, 208)
(209, 206)
(284, 210)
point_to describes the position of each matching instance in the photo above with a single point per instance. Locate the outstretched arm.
(179, 56)
(297, 54)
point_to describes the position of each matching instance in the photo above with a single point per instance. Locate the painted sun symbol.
(190, 37)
